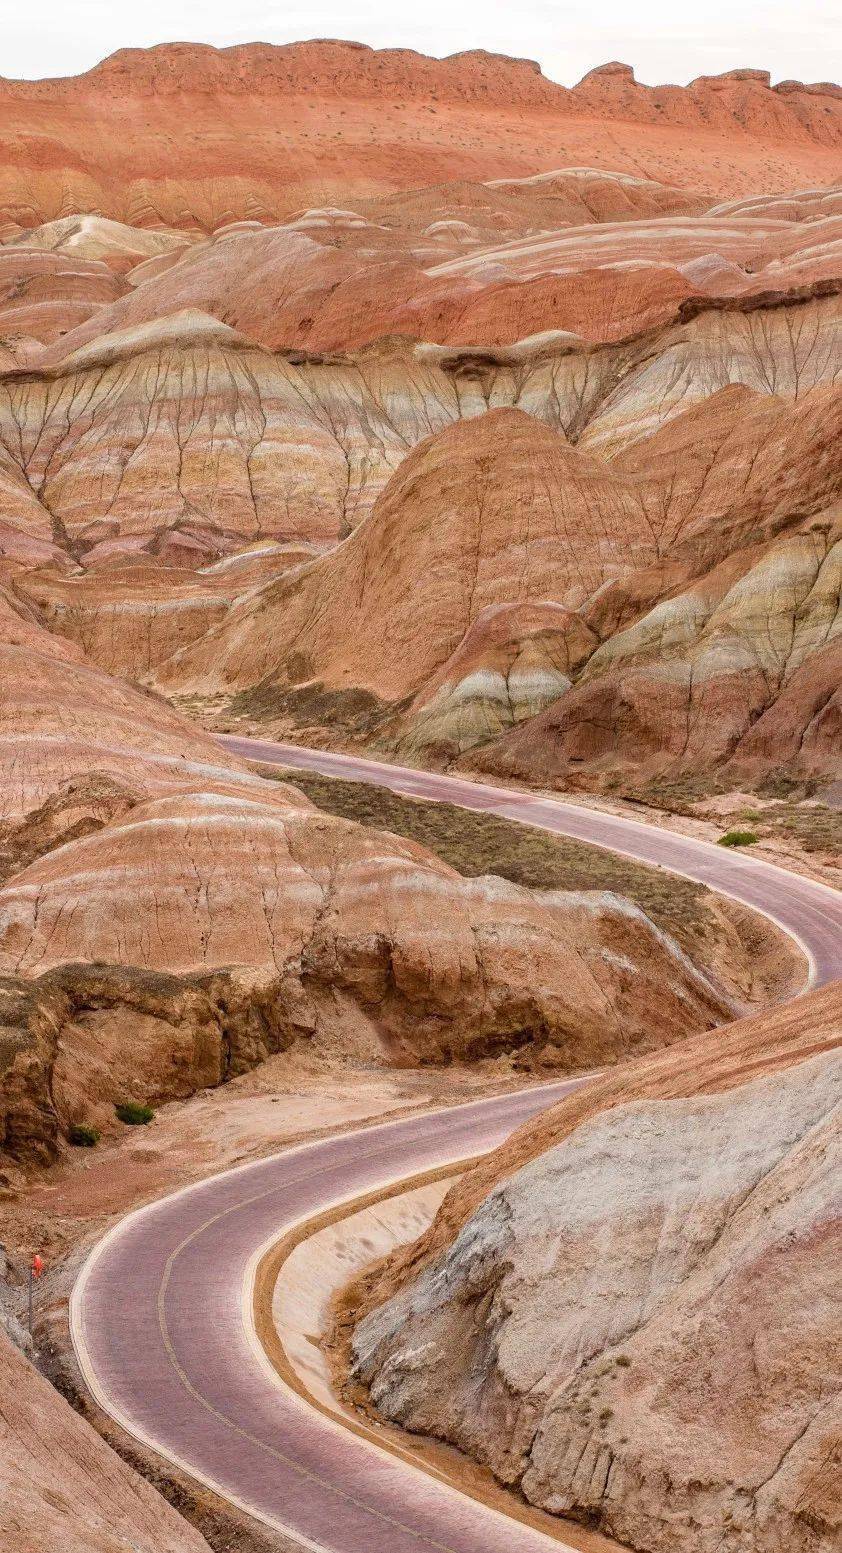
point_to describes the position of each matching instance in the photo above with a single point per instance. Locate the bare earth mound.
(548, 610)
(186, 940)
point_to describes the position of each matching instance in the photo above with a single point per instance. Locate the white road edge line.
(135, 1430)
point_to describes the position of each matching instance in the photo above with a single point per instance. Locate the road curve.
(810, 912)
(160, 1313)
(161, 1326)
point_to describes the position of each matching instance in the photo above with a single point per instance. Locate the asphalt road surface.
(161, 1311)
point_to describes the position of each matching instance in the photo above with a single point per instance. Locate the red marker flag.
(37, 1265)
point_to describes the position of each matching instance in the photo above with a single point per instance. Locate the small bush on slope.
(83, 1137)
(134, 1115)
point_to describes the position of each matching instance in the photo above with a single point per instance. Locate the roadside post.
(36, 1267)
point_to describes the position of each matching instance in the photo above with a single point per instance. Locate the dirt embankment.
(755, 959)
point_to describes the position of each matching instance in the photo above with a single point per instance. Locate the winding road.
(161, 1313)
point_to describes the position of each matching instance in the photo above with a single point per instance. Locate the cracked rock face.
(61, 720)
(638, 1326)
(169, 919)
(538, 608)
(536, 470)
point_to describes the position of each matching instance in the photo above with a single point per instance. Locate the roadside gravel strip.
(161, 1314)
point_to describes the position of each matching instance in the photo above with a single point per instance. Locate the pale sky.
(663, 39)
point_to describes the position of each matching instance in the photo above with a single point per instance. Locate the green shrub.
(133, 1114)
(83, 1137)
(738, 838)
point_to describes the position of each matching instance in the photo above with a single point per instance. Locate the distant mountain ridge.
(138, 138)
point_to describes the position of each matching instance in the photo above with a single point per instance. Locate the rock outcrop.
(178, 431)
(658, 548)
(62, 720)
(437, 406)
(748, 632)
(210, 377)
(438, 549)
(534, 607)
(636, 1326)
(129, 618)
(169, 919)
(335, 281)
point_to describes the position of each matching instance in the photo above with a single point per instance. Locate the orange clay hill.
(192, 137)
(432, 404)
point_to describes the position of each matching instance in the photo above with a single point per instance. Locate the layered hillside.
(168, 920)
(182, 440)
(314, 122)
(178, 942)
(336, 281)
(533, 468)
(657, 610)
(428, 406)
(62, 719)
(627, 1312)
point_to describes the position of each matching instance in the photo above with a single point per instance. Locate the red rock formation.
(297, 130)
(712, 674)
(201, 917)
(154, 425)
(43, 296)
(298, 925)
(334, 282)
(128, 619)
(173, 401)
(438, 548)
(496, 422)
(61, 719)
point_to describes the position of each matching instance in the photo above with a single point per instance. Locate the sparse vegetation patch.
(134, 1115)
(83, 1137)
(477, 844)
